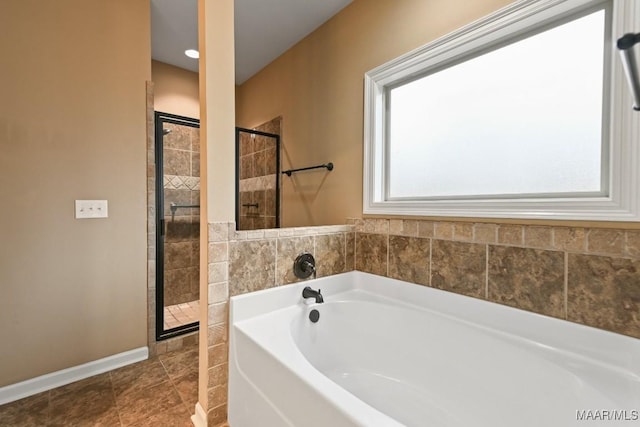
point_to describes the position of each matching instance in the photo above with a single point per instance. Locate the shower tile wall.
(182, 187)
(257, 176)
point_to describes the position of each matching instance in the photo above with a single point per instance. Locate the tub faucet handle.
(304, 266)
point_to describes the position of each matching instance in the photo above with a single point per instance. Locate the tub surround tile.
(251, 266)
(604, 292)
(511, 234)
(217, 334)
(330, 254)
(569, 239)
(217, 395)
(538, 237)
(458, 267)
(463, 231)
(632, 244)
(350, 251)
(288, 251)
(217, 354)
(443, 230)
(605, 242)
(371, 253)
(218, 374)
(485, 233)
(426, 229)
(409, 259)
(529, 279)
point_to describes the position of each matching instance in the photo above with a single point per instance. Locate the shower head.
(166, 131)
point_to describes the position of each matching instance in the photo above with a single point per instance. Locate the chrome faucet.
(307, 292)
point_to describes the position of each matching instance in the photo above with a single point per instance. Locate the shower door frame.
(237, 201)
(159, 119)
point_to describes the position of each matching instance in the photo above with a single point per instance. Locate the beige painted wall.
(72, 126)
(317, 86)
(175, 90)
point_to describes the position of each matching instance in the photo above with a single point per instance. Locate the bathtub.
(391, 353)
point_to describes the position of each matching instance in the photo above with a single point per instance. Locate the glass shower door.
(177, 224)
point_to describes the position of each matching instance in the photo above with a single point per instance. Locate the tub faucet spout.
(307, 292)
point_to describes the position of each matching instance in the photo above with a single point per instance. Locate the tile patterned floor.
(181, 314)
(161, 391)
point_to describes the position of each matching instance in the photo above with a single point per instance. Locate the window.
(522, 114)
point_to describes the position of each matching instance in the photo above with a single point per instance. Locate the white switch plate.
(91, 209)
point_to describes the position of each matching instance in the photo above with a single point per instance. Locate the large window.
(522, 114)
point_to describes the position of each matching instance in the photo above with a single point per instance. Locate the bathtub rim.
(616, 351)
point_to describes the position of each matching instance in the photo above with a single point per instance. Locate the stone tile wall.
(585, 275)
(258, 169)
(247, 261)
(181, 176)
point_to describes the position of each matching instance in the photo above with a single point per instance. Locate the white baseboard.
(59, 378)
(199, 419)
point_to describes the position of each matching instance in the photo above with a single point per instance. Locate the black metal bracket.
(625, 44)
(328, 166)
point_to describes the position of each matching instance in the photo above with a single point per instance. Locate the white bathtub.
(390, 353)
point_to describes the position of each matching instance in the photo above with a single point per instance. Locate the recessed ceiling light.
(192, 53)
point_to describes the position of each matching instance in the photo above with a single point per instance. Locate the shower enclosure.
(258, 177)
(177, 156)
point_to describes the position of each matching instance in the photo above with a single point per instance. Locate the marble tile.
(538, 237)
(529, 279)
(485, 233)
(270, 160)
(246, 167)
(409, 259)
(458, 267)
(178, 416)
(569, 239)
(176, 162)
(443, 230)
(195, 139)
(245, 145)
(195, 164)
(180, 363)
(270, 203)
(371, 253)
(155, 401)
(217, 355)
(463, 231)
(217, 416)
(604, 292)
(31, 411)
(288, 251)
(179, 138)
(177, 255)
(605, 241)
(330, 254)
(425, 228)
(251, 265)
(260, 163)
(133, 378)
(86, 402)
(511, 234)
(217, 395)
(632, 244)
(187, 387)
(218, 375)
(350, 251)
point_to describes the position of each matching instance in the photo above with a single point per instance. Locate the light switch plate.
(91, 209)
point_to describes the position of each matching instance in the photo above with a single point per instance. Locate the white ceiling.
(264, 30)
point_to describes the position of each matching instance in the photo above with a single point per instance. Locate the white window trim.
(623, 201)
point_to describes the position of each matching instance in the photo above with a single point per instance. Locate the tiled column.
(217, 324)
